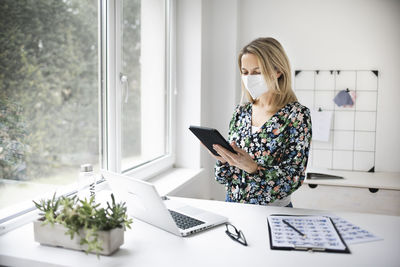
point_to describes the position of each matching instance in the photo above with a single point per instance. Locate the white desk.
(377, 192)
(148, 246)
(376, 180)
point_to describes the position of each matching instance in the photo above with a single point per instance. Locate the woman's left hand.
(242, 159)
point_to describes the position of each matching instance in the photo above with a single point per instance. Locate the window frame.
(111, 88)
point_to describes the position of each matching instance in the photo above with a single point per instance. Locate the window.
(143, 80)
(82, 82)
(48, 95)
(140, 124)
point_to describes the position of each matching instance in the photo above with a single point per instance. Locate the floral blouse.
(280, 147)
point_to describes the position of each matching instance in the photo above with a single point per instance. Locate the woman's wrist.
(253, 168)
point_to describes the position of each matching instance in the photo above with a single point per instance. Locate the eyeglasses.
(235, 234)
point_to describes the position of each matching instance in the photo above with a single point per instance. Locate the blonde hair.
(271, 59)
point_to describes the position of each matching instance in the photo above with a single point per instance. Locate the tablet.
(210, 136)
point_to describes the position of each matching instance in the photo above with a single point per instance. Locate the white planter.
(54, 235)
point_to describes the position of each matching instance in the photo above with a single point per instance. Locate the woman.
(271, 133)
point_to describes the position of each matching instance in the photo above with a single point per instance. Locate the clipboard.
(304, 233)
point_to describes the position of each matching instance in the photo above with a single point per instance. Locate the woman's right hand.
(216, 157)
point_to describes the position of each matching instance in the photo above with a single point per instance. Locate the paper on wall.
(344, 99)
(321, 125)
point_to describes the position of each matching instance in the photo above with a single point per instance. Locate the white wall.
(329, 34)
(205, 88)
(339, 34)
(188, 81)
(219, 67)
(188, 93)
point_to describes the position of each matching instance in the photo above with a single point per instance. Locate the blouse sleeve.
(224, 171)
(279, 181)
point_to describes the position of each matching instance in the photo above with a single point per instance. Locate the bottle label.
(86, 185)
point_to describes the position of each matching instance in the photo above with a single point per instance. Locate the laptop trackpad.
(188, 210)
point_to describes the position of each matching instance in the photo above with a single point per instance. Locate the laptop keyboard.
(183, 221)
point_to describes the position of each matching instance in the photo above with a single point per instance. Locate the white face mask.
(255, 84)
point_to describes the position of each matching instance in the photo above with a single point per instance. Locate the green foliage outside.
(12, 141)
(84, 215)
(49, 85)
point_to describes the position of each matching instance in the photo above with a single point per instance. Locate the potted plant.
(81, 224)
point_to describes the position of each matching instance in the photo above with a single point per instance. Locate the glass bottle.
(86, 182)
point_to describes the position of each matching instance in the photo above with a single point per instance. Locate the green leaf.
(87, 215)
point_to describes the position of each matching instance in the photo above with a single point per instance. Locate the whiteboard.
(352, 140)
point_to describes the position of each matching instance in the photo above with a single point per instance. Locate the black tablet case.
(210, 136)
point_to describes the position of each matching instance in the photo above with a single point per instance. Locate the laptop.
(144, 203)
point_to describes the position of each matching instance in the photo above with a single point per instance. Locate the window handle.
(125, 86)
